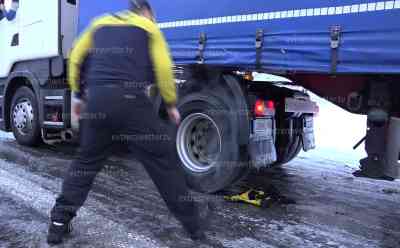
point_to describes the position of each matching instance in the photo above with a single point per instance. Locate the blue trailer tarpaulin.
(296, 34)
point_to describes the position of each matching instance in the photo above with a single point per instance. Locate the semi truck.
(347, 51)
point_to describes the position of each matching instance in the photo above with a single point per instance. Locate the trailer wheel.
(207, 144)
(25, 117)
(290, 152)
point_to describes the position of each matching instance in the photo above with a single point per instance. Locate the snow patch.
(6, 136)
(336, 132)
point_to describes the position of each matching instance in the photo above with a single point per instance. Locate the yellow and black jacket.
(123, 47)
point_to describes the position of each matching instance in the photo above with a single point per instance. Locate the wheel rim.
(199, 142)
(23, 116)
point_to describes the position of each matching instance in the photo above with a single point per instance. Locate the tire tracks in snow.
(303, 225)
(99, 230)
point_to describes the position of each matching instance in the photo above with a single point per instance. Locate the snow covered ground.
(336, 132)
(333, 208)
(4, 135)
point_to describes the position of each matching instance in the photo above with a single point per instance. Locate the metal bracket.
(202, 48)
(335, 44)
(259, 45)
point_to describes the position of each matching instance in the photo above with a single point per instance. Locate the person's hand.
(76, 107)
(174, 115)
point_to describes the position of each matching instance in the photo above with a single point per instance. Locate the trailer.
(346, 51)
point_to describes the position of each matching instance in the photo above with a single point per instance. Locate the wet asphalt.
(333, 209)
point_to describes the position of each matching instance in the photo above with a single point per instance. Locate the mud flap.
(308, 136)
(262, 147)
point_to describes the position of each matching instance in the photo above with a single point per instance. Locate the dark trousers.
(125, 115)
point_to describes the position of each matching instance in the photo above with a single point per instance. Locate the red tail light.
(270, 105)
(259, 108)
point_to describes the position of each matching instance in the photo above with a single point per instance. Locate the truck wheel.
(207, 144)
(290, 153)
(25, 117)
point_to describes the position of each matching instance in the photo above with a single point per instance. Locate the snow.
(4, 135)
(336, 132)
(27, 188)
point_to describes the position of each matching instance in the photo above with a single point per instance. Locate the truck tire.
(24, 117)
(288, 148)
(207, 144)
(290, 152)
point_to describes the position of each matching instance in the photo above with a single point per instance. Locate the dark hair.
(139, 5)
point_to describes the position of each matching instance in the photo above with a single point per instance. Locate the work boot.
(200, 238)
(197, 232)
(196, 235)
(57, 231)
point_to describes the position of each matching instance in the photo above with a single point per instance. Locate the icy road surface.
(124, 210)
(333, 209)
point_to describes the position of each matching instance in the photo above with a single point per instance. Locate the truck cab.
(34, 47)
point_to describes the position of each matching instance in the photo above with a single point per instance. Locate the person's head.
(142, 7)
